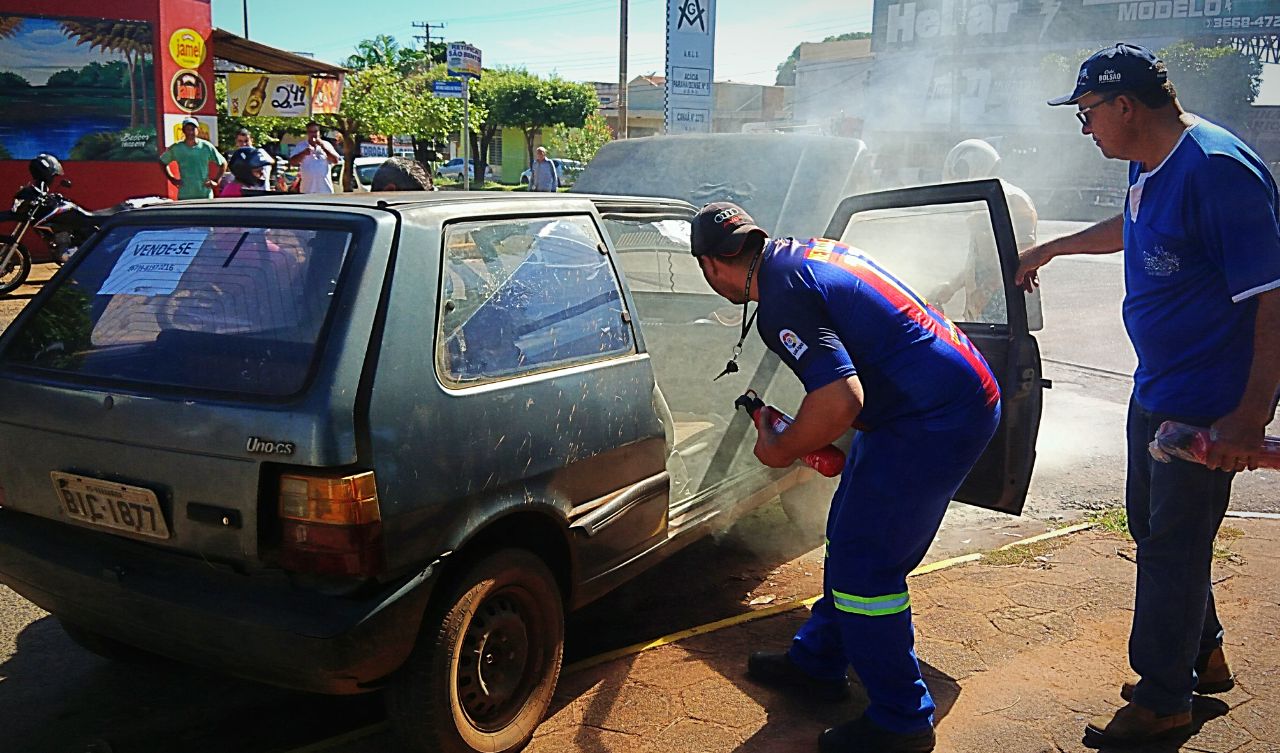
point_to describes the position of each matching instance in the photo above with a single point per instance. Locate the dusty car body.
(349, 443)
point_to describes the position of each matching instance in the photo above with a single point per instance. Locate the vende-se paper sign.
(153, 263)
(691, 42)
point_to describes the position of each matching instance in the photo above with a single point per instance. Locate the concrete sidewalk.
(1021, 649)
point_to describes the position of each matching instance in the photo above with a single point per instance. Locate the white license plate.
(106, 504)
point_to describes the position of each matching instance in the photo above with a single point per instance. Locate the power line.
(427, 37)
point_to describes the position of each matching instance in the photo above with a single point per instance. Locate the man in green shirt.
(194, 157)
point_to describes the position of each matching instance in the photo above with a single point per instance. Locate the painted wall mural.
(77, 88)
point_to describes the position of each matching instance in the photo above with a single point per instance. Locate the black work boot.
(776, 670)
(864, 736)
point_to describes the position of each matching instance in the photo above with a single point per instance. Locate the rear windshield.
(236, 309)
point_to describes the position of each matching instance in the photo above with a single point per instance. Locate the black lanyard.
(732, 366)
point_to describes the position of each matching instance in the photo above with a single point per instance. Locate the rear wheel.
(15, 264)
(486, 663)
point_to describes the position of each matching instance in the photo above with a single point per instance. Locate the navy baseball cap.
(720, 228)
(1122, 68)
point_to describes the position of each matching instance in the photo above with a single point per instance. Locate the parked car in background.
(349, 443)
(364, 167)
(567, 169)
(452, 170)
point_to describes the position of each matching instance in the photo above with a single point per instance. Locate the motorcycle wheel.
(15, 272)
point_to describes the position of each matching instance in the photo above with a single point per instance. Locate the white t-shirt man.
(314, 174)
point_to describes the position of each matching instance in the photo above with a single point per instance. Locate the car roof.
(409, 199)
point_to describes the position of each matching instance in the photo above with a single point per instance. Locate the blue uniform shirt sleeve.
(797, 327)
(1238, 225)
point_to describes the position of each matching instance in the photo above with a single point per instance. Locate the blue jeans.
(1174, 511)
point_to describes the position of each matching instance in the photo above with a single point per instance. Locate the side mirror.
(65, 183)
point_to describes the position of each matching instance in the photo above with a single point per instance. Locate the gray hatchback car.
(353, 443)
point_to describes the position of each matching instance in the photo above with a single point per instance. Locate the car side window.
(654, 255)
(521, 296)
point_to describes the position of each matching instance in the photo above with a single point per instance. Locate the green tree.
(531, 104)
(11, 80)
(63, 78)
(787, 68)
(383, 50)
(132, 39)
(580, 144)
(1217, 82)
(379, 100)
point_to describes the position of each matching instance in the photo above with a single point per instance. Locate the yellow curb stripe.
(758, 614)
(1050, 535)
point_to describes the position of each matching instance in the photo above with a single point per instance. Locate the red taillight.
(331, 525)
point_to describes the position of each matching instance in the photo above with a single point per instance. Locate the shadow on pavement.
(55, 697)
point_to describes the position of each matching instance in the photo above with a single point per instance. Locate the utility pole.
(245, 6)
(427, 38)
(622, 70)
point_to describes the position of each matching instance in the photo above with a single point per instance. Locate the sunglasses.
(1083, 115)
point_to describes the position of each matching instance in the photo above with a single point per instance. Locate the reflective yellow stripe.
(872, 606)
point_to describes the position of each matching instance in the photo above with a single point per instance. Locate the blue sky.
(576, 38)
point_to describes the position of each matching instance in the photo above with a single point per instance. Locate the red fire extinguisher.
(829, 460)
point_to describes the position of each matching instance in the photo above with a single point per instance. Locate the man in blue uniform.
(873, 355)
(1202, 306)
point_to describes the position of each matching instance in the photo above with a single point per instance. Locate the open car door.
(954, 244)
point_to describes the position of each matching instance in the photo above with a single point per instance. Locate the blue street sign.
(447, 89)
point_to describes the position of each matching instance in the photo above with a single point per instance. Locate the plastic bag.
(1192, 443)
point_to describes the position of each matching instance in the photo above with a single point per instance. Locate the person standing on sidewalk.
(313, 158)
(873, 355)
(1202, 306)
(200, 165)
(543, 175)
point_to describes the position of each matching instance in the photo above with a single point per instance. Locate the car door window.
(526, 295)
(945, 252)
(956, 244)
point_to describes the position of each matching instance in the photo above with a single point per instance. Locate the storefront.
(107, 95)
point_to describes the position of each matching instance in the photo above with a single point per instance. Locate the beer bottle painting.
(253, 103)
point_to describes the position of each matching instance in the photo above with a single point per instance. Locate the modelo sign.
(922, 24)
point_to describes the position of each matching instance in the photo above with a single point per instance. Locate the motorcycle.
(60, 222)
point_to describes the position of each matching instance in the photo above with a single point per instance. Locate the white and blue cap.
(190, 121)
(1122, 68)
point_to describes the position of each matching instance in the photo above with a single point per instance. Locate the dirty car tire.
(486, 663)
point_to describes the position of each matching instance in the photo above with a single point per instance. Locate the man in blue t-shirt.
(872, 355)
(1202, 305)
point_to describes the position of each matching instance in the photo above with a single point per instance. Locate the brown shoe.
(1134, 724)
(1212, 676)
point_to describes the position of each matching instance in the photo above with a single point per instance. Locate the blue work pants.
(1174, 510)
(885, 514)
